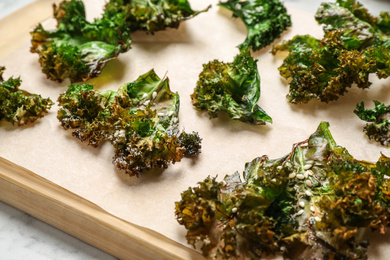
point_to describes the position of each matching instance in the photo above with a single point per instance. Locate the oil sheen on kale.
(140, 120)
(355, 45)
(312, 203)
(265, 20)
(77, 49)
(232, 87)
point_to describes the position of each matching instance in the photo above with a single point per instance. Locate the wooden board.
(75, 215)
(76, 188)
(59, 207)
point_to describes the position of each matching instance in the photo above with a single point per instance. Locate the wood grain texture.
(76, 216)
(59, 207)
(226, 146)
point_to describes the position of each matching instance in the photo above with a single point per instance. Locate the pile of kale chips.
(141, 118)
(317, 200)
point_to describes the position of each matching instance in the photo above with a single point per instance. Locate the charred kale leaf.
(18, 106)
(231, 87)
(378, 128)
(309, 204)
(153, 15)
(78, 49)
(140, 120)
(355, 45)
(265, 20)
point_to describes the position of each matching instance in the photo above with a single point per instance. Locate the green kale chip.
(140, 120)
(78, 49)
(354, 46)
(378, 126)
(19, 106)
(231, 87)
(265, 20)
(153, 15)
(322, 69)
(309, 204)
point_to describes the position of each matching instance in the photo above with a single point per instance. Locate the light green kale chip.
(232, 87)
(19, 106)
(310, 204)
(378, 123)
(354, 46)
(78, 49)
(265, 20)
(153, 15)
(140, 120)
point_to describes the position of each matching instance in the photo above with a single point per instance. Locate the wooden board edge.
(59, 207)
(82, 219)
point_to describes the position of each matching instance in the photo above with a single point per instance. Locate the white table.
(24, 237)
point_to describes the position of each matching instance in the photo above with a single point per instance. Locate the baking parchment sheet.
(51, 152)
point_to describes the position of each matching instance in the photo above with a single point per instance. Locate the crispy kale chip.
(322, 69)
(309, 204)
(18, 106)
(378, 126)
(78, 49)
(355, 45)
(153, 15)
(265, 20)
(140, 120)
(232, 87)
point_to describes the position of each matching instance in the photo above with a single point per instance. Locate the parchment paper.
(48, 150)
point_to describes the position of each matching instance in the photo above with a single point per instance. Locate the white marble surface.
(24, 237)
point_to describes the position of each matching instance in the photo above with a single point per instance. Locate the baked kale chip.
(354, 46)
(378, 126)
(78, 49)
(232, 87)
(18, 106)
(140, 120)
(153, 15)
(310, 204)
(265, 20)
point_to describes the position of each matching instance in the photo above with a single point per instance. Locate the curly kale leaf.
(378, 126)
(140, 120)
(353, 47)
(360, 28)
(264, 20)
(191, 142)
(322, 69)
(78, 49)
(308, 204)
(19, 106)
(153, 15)
(231, 87)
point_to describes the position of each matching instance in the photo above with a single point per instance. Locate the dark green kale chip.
(191, 142)
(232, 87)
(265, 20)
(355, 45)
(153, 15)
(310, 204)
(78, 49)
(140, 120)
(19, 106)
(378, 126)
